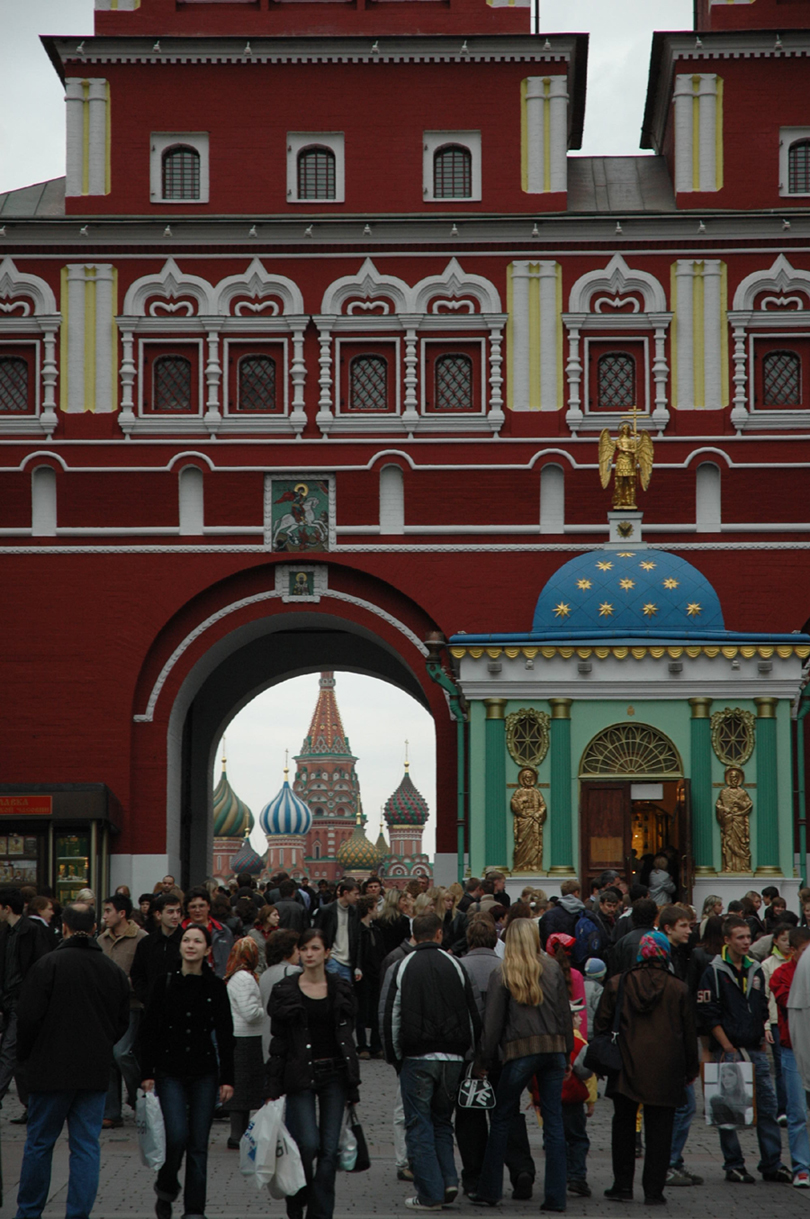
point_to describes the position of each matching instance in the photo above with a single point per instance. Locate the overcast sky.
(32, 106)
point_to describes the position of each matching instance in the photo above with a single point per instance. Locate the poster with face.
(728, 1093)
(16, 844)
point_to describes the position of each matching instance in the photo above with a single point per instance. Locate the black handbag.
(363, 1161)
(603, 1055)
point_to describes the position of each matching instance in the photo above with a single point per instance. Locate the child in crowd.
(662, 886)
(595, 973)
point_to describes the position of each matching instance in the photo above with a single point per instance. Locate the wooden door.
(684, 815)
(605, 829)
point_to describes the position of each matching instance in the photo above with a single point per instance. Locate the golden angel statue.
(633, 452)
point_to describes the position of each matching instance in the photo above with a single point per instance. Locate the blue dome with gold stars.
(638, 590)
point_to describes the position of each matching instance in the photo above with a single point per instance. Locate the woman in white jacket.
(248, 1017)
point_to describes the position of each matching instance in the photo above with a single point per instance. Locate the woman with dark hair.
(247, 1012)
(186, 1055)
(264, 924)
(313, 1059)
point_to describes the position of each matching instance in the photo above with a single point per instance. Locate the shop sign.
(26, 806)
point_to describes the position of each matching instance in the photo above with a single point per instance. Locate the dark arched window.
(781, 379)
(799, 168)
(257, 384)
(181, 173)
(316, 173)
(616, 381)
(452, 172)
(368, 383)
(172, 384)
(13, 384)
(454, 382)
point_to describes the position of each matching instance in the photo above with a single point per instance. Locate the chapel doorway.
(634, 803)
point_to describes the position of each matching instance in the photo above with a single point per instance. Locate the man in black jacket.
(72, 1009)
(341, 926)
(22, 942)
(159, 951)
(292, 914)
(563, 917)
(431, 1021)
(623, 954)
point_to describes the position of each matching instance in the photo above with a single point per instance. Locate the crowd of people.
(224, 997)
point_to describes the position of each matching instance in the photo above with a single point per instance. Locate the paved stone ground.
(126, 1187)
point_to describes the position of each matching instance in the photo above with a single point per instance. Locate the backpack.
(588, 940)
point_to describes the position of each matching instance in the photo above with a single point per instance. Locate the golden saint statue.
(734, 807)
(634, 462)
(529, 811)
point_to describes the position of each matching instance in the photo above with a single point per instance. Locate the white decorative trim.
(780, 278)
(171, 284)
(261, 286)
(28, 308)
(708, 329)
(544, 118)
(159, 143)
(617, 279)
(14, 283)
(297, 141)
(257, 599)
(432, 141)
(87, 130)
(369, 285)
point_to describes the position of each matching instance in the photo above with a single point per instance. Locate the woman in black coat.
(313, 1057)
(186, 1055)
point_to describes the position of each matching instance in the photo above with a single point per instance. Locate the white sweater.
(246, 1005)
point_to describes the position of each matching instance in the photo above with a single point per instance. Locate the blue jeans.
(188, 1105)
(680, 1128)
(796, 1112)
(515, 1076)
(343, 971)
(429, 1092)
(126, 1065)
(47, 1114)
(768, 1133)
(317, 1137)
(577, 1143)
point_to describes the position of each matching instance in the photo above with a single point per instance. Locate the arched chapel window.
(454, 383)
(257, 384)
(781, 379)
(616, 381)
(181, 173)
(368, 383)
(316, 173)
(452, 172)
(13, 384)
(172, 384)
(799, 168)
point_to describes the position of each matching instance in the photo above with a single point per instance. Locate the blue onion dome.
(406, 806)
(357, 853)
(286, 813)
(232, 817)
(638, 590)
(247, 860)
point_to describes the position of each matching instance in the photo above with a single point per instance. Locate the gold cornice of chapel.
(637, 652)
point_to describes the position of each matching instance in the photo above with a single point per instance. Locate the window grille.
(368, 384)
(616, 381)
(626, 750)
(799, 168)
(316, 173)
(257, 384)
(452, 172)
(781, 379)
(527, 737)
(454, 383)
(733, 735)
(172, 384)
(13, 384)
(181, 173)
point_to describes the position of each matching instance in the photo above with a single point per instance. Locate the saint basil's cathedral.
(316, 828)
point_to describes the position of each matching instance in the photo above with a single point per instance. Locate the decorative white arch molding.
(28, 313)
(464, 306)
(255, 304)
(772, 303)
(616, 301)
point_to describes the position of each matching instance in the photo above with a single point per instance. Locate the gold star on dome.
(627, 583)
(562, 610)
(626, 554)
(648, 566)
(650, 609)
(604, 566)
(583, 584)
(693, 608)
(671, 583)
(605, 609)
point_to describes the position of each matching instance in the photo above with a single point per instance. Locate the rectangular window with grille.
(452, 376)
(170, 384)
(18, 373)
(368, 381)
(617, 375)
(256, 374)
(781, 368)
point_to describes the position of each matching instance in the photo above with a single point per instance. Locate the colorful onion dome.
(406, 806)
(286, 813)
(357, 853)
(232, 817)
(247, 860)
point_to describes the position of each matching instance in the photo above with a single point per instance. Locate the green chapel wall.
(477, 792)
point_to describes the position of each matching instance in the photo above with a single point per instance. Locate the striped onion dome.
(357, 852)
(286, 813)
(406, 806)
(247, 860)
(232, 817)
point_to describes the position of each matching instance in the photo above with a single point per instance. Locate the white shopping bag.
(347, 1147)
(289, 1176)
(151, 1131)
(257, 1150)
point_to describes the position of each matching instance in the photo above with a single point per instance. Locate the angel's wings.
(644, 457)
(607, 446)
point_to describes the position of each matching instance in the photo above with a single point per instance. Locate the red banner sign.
(26, 806)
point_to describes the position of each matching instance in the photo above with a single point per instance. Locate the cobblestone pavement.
(126, 1187)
